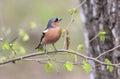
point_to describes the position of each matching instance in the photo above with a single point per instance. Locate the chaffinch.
(51, 34)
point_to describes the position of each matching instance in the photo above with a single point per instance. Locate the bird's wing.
(40, 45)
(43, 35)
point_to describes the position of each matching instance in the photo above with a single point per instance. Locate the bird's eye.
(56, 19)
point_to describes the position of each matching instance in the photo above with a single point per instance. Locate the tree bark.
(97, 16)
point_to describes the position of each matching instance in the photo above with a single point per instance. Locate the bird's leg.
(54, 47)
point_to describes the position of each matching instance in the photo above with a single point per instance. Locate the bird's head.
(53, 22)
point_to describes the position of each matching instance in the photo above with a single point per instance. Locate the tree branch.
(49, 52)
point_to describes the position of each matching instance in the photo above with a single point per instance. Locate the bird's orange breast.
(52, 35)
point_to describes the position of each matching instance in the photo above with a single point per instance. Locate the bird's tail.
(39, 46)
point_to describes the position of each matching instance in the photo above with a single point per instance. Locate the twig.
(81, 3)
(46, 59)
(94, 38)
(71, 21)
(107, 51)
(13, 40)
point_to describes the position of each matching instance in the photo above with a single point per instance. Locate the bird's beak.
(59, 19)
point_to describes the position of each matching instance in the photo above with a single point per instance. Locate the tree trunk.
(97, 16)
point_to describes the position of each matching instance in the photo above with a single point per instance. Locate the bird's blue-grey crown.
(53, 20)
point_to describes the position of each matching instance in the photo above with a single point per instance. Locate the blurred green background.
(17, 14)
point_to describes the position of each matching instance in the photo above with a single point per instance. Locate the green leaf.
(102, 36)
(21, 50)
(73, 11)
(33, 25)
(6, 46)
(41, 49)
(49, 66)
(75, 57)
(68, 66)
(86, 66)
(2, 59)
(81, 47)
(69, 54)
(18, 50)
(24, 35)
(110, 68)
(63, 32)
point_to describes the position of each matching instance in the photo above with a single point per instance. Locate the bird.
(51, 34)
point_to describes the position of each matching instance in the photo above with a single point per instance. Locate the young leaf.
(21, 50)
(41, 49)
(68, 66)
(63, 32)
(33, 25)
(69, 54)
(86, 66)
(18, 50)
(110, 68)
(72, 11)
(24, 35)
(5, 46)
(102, 36)
(75, 57)
(49, 66)
(80, 47)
